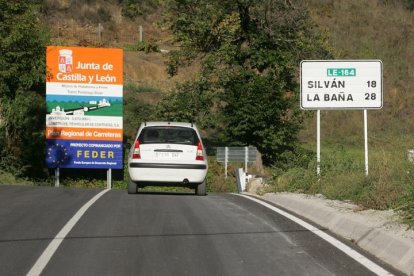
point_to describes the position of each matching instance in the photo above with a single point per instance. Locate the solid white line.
(54, 244)
(341, 246)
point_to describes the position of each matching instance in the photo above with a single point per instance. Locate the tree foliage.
(134, 8)
(250, 53)
(22, 72)
(135, 112)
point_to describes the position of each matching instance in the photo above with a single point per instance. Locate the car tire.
(200, 189)
(132, 186)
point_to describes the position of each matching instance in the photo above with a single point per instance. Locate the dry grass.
(149, 69)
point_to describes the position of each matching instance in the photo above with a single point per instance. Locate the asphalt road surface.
(158, 234)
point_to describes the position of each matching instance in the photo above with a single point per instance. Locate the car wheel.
(132, 186)
(200, 189)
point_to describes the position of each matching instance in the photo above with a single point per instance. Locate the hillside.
(355, 30)
(76, 23)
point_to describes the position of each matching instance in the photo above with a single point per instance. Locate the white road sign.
(341, 84)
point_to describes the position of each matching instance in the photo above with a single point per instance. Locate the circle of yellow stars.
(57, 148)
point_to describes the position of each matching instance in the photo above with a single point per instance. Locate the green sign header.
(341, 72)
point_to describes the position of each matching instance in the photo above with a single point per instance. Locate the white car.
(167, 154)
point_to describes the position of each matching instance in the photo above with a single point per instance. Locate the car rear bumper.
(167, 173)
(168, 166)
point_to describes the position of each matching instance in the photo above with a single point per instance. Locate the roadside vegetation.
(244, 90)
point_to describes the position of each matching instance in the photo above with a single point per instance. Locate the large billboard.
(84, 91)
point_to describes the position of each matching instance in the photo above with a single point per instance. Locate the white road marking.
(47, 254)
(341, 246)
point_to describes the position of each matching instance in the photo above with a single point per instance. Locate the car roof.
(180, 124)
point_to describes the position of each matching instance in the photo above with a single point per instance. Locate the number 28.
(370, 96)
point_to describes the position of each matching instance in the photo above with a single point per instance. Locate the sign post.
(84, 95)
(366, 140)
(109, 179)
(318, 142)
(57, 177)
(226, 159)
(341, 85)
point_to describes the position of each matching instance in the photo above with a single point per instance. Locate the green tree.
(135, 112)
(250, 52)
(134, 8)
(22, 73)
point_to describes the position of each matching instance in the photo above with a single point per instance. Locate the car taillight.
(199, 155)
(136, 154)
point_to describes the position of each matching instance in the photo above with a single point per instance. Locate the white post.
(366, 140)
(226, 153)
(140, 33)
(57, 177)
(100, 28)
(109, 179)
(318, 142)
(246, 156)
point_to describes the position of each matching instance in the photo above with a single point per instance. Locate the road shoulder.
(377, 232)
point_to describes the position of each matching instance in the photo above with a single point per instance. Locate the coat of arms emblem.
(65, 61)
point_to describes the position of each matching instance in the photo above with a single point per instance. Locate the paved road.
(158, 234)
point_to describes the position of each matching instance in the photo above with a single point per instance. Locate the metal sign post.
(226, 158)
(318, 142)
(109, 179)
(366, 140)
(57, 177)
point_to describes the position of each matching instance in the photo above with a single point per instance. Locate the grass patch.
(143, 46)
(216, 181)
(390, 184)
(137, 88)
(10, 179)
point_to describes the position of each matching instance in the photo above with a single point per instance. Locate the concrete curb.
(379, 235)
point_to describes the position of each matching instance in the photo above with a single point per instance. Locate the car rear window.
(168, 134)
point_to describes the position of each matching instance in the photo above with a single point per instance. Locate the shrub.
(143, 46)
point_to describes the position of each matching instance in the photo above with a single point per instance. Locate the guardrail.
(236, 154)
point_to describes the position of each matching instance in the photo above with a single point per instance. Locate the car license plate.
(167, 155)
